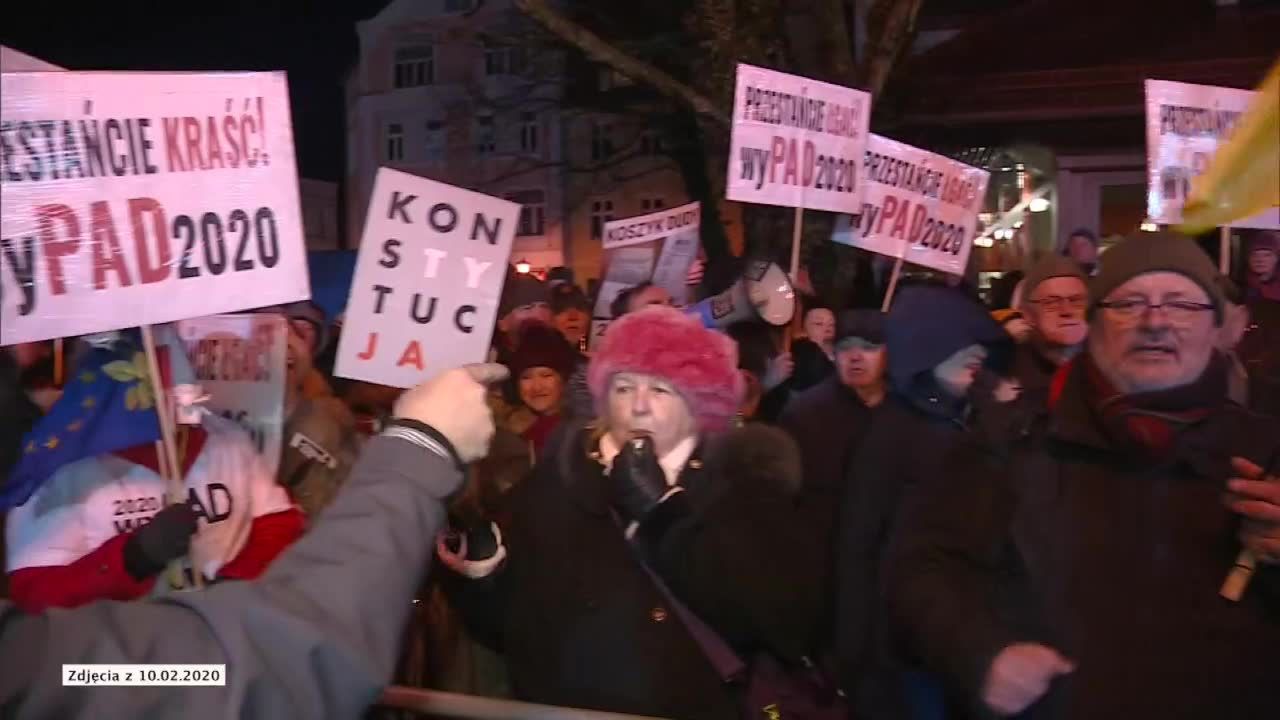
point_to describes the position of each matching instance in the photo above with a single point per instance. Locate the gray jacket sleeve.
(316, 636)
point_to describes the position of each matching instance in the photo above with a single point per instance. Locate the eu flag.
(108, 404)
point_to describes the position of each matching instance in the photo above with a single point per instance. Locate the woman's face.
(572, 324)
(820, 326)
(541, 389)
(646, 405)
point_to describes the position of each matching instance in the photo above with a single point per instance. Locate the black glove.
(167, 537)
(481, 542)
(636, 479)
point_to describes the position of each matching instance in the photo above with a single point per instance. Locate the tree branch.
(597, 49)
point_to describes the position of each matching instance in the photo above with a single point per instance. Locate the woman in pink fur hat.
(664, 479)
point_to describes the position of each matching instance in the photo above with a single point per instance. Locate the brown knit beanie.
(1156, 252)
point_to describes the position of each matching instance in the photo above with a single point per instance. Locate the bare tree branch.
(897, 25)
(601, 51)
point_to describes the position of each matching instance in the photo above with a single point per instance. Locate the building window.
(533, 208)
(601, 141)
(414, 65)
(436, 141)
(395, 142)
(652, 203)
(601, 213)
(503, 59)
(486, 142)
(459, 6)
(530, 133)
(650, 143)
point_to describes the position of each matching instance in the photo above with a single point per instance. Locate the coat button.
(658, 615)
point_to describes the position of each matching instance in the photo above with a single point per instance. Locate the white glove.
(458, 561)
(1020, 675)
(454, 404)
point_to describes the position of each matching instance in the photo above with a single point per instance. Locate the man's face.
(538, 312)
(573, 324)
(820, 326)
(1056, 311)
(1141, 349)
(1262, 262)
(860, 363)
(956, 373)
(541, 389)
(1082, 250)
(646, 405)
(652, 295)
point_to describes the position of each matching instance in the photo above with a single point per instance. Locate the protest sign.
(797, 142)
(919, 206)
(142, 198)
(239, 361)
(1185, 125)
(425, 293)
(659, 248)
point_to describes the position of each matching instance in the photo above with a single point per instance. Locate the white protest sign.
(424, 297)
(239, 361)
(1185, 125)
(143, 198)
(658, 247)
(797, 142)
(919, 206)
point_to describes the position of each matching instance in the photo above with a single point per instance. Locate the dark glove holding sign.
(166, 538)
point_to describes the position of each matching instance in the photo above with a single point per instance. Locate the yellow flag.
(1243, 178)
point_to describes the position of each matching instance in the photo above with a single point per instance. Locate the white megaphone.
(762, 293)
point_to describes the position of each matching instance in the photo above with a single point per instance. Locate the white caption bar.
(143, 675)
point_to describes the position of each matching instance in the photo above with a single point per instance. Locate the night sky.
(313, 40)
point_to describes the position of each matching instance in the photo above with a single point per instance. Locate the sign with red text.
(797, 142)
(142, 198)
(1185, 125)
(919, 206)
(239, 361)
(424, 297)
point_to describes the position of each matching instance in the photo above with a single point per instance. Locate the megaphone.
(762, 293)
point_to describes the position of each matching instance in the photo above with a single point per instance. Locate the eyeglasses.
(1054, 303)
(1179, 312)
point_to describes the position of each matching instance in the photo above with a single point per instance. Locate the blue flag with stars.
(108, 404)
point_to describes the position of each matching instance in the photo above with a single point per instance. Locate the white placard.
(658, 247)
(142, 198)
(1185, 125)
(424, 297)
(239, 361)
(920, 206)
(797, 142)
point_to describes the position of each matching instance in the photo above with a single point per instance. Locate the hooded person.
(1054, 299)
(320, 438)
(660, 488)
(89, 519)
(1081, 559)
(938, 341)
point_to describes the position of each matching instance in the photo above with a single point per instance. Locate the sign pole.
(168, 459)
(1224, 250)
(893, 285)
(796, 227)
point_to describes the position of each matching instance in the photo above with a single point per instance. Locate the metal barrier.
(469, 707)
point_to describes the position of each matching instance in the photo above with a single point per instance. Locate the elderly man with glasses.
(1054, 300)
(1075, 569)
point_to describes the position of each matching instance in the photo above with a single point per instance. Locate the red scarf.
(1147, 424)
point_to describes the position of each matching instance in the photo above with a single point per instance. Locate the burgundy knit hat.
(540, 345)
(664, 342)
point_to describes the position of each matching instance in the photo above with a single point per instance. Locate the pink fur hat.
(701, 364)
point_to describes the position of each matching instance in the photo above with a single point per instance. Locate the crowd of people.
(954, 509)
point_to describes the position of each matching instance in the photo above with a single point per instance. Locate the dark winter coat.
(583, 625)
(812, 366)
(1032, 371)
(1057, 537)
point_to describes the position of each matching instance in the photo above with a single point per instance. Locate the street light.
(1148, 226)
(523, 267)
